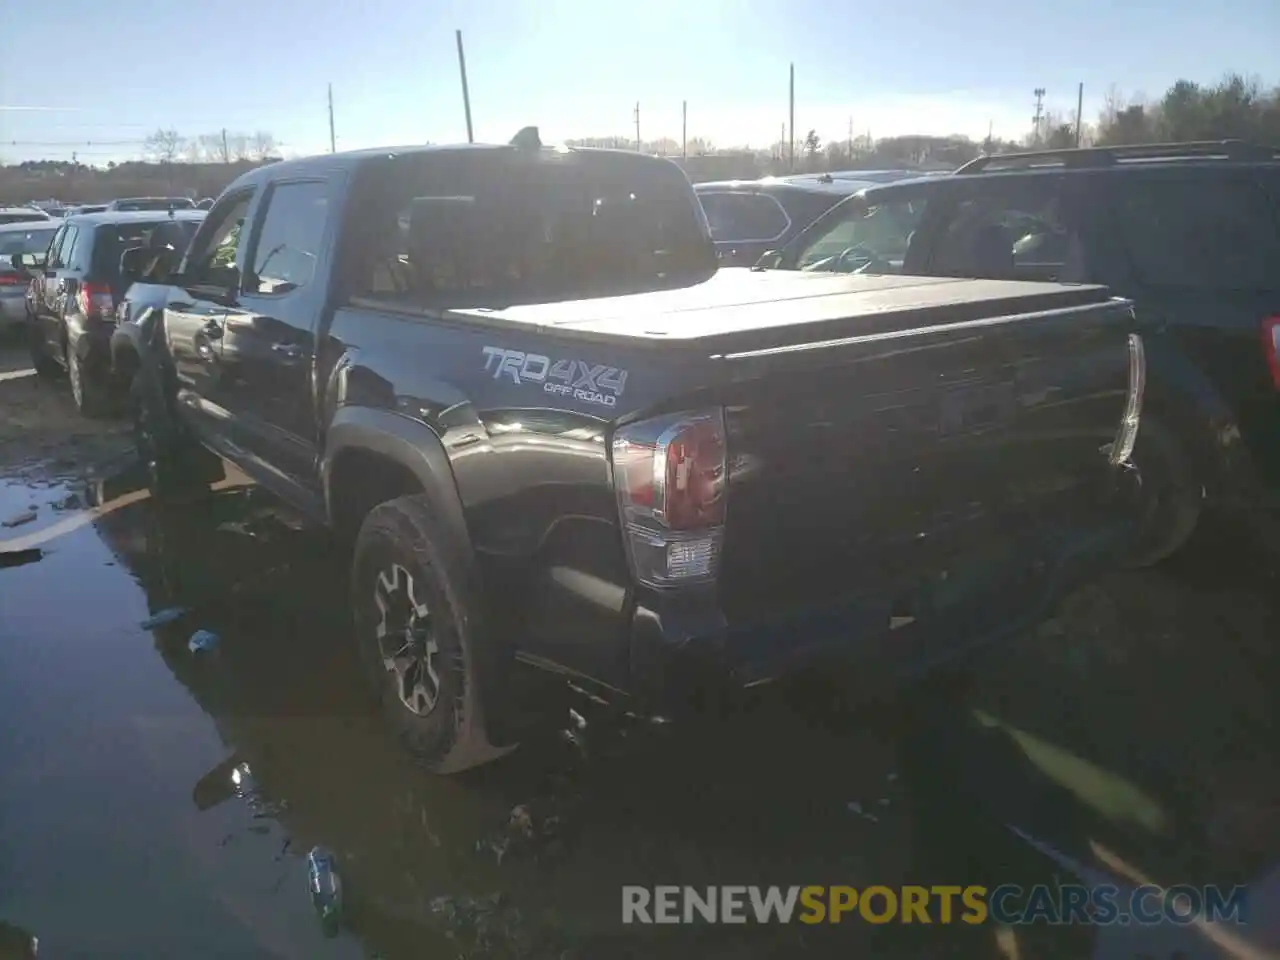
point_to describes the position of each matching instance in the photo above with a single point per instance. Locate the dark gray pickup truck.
(513, 380)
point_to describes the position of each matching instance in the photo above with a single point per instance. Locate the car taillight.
(13, 280)
(96, 301)
(1127, 435)
(670, 477)
(1271, 347)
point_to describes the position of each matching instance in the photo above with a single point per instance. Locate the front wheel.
(419, 629)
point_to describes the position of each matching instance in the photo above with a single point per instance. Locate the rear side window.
(744, 216)
(59, 253)
(1200, 233)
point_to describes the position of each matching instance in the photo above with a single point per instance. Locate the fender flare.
(1178, 388)
(409, 443)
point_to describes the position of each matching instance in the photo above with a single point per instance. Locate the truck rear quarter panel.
(523, 420)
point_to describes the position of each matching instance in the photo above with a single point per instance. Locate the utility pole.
(226, 150)
(791, 123)
(684, 129)
(1079, 112)
(333, 138)
(466, 92)
(1039, 95)
(635, 115)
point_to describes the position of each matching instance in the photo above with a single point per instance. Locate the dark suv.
(74, 294)
(1191, 232)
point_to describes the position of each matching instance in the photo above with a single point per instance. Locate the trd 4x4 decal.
(590, 382)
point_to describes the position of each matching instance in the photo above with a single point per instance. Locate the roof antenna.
(527, 139)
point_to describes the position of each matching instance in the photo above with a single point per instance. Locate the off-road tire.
(406, 533)
(177, 467)
(1172, 496)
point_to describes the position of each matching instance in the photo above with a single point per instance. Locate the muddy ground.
(158, 803)
(41, 432)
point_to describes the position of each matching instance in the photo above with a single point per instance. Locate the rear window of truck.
(518, 228)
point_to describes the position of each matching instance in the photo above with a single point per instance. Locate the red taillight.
(670, 476)
(96, 301)
(1271, 347)
(13, 280)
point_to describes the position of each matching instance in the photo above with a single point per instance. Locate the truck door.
(195, 313)
(269, 343)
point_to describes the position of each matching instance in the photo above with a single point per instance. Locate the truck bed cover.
(738, 302)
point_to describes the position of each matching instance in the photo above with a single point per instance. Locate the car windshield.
(23, 216)
(34, 240)
(858, 237)
(544, 229)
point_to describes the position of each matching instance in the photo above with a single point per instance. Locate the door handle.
(212, 329)
(290, 351)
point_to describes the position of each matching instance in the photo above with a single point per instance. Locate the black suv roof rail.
(1092, 157)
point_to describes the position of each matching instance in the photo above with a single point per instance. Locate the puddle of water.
(197, 784)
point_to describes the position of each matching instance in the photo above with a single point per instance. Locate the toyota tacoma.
(512, 380)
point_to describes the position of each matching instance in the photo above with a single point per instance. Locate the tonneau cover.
(743, 301)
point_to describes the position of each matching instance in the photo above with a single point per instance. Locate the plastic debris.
(161, 617)
(25, 516)
(203, 641)
(326, 889)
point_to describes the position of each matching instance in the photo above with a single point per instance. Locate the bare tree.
(213, 147)
(193, 149)
(163, 146)
(238, 146)
(263, 145)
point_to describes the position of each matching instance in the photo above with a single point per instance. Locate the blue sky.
(118, 69)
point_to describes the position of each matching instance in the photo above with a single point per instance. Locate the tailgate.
(889, 462)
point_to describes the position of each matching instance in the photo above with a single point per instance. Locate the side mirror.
(769, 260)
(18, 262)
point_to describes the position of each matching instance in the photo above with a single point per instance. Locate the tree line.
(222, 146)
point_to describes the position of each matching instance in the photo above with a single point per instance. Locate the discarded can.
(203, 641)
(326, 889)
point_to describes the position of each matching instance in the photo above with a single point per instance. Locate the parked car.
(145, 267)
(74, 295)
(748, 217)
(151, 203)
(556, 434)
(1190, 232)
(22, 214)
(28, 241)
